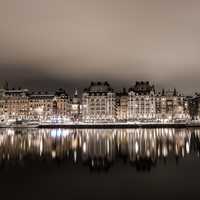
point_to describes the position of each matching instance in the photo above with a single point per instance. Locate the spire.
(76, 92)
(163, 92)
(175, 92)
(124, 90)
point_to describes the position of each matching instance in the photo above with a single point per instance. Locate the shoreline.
(106, 126)
(121, 126)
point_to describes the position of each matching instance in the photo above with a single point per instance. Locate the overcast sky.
(54, 43)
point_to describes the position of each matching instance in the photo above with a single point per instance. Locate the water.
(99, 164)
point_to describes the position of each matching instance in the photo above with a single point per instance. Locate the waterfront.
(99, 163)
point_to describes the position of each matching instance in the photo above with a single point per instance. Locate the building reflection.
(99, 149)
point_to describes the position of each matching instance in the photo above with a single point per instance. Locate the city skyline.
(71, 87)
(98, 103)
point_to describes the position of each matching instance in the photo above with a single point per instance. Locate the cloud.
(122, 41)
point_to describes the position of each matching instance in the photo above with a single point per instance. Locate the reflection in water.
(99, 149)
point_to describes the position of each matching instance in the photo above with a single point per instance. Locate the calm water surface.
(100, 164)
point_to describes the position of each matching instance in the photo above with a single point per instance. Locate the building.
(40, 105)
(75, 107)
(20, 104)
(61, 104)
(14, 103)
(122, 106)
(194, 106)
(171, 106)
(49, 106)
(98, 101)
(141, 102)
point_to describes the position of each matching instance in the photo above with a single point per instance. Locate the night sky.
(68, 43)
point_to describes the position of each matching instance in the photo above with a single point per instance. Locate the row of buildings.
(140, 103)
(98, 103)
(26, 105)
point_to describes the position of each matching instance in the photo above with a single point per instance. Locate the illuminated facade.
(122, 106)
(99, 104)
(75, 107)
(171, 106)
(194, 106)
(98, 101)
(20, 104)
(14, 103)
(141, 102)
(48, 106)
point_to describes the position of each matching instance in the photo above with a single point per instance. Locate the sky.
(47, 44)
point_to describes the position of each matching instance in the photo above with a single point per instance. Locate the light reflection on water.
(99, 149)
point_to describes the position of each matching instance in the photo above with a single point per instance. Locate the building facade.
(14, 103)
(194, 106)
(49, 106)
(141, 102)
(99, 104)
(171, 106)
(20, 104)
(98, 101)
(122, 106)
(75, 107)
